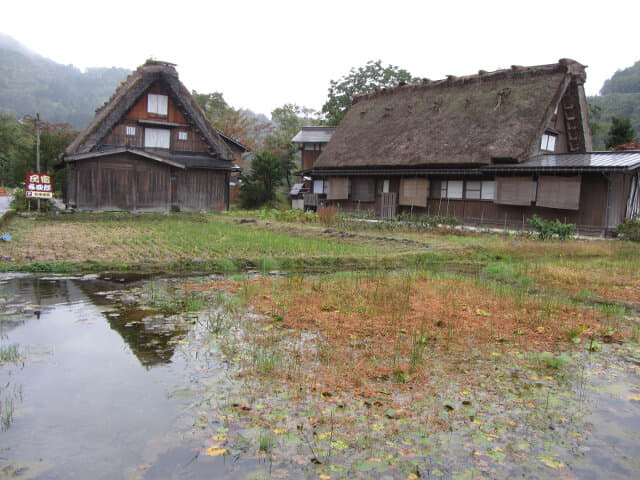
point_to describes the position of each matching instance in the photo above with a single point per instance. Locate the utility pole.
(37, 128)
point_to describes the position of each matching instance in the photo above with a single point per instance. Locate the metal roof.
(314, 135)
(596, 161)
(295, 190)
(178, 160)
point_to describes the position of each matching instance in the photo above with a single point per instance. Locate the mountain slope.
(30, 83)
(619, 97)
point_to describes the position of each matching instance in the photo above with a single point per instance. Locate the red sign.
(39, 185)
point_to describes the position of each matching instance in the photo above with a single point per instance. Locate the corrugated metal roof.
(626, 160)
(295, 190)
(314, 135)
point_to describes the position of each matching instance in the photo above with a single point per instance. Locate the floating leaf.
(220, 437)
(550, 461)
(215, 451)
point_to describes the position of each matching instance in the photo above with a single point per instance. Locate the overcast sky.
(263, 54)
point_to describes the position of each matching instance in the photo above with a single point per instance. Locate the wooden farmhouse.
(150, 148)
(491, 149)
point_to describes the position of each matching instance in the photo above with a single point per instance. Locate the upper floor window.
(157, 138)
(548, 142)
(158, 104)
(131, 131)
(183, 136)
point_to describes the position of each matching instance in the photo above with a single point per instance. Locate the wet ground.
(97, 387)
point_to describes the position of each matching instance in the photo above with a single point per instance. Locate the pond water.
(94, 393)
(104, 390)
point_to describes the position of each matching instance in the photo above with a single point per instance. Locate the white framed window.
(451, 189)
(157, 138)
(183, 136)
(158, 104)
(487, 191)
(548, 142)
(473, 189)
(131, 131)
(320, 186)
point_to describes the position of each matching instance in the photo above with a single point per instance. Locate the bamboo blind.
(514, 190)
(414, 192)
(559, 192)
(363, 189)
(338, 188)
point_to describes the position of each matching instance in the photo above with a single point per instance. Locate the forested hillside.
(619, 97)
(30, 83)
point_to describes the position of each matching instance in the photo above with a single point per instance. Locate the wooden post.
(36, 124)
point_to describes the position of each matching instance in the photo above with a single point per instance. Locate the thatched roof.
(126, 96)
(459, 120)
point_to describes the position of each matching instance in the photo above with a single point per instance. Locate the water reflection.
(80, 402)
(150, 337)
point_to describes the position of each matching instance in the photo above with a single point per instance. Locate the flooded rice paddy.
(93, 385)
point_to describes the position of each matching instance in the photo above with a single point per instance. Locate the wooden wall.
(590, 217)
(200, 189)
(118, 136)
(309, 158)
(128, 182)
(139, 110)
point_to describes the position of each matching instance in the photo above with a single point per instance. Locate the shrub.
(630, 228)
(547, 229)
(328, 215)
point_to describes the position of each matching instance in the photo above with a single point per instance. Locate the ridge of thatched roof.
(457, 120)
(129, 92)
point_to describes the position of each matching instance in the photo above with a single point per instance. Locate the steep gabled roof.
(459, 120)
(126, 96)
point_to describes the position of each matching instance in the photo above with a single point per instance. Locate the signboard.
(39, 185)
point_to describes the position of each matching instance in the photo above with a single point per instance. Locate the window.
(320, 186)
(131, 131)
(479, 190)
(157, 138)
(488, 190)
(157, 104)
(183, 136)
(548, 142)
(451, 189)
(473, 189)
(385, 186)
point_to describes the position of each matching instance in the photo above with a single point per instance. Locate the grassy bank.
(582, 270)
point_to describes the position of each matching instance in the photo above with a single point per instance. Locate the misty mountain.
(30, 83)
(619, 97)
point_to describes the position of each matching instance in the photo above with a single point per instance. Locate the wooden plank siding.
(200, 189)
(139, 110)
(590, 217)
(120, 182)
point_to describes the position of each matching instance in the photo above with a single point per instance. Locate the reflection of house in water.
(152, 340)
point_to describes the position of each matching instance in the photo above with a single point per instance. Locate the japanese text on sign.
(39, 185)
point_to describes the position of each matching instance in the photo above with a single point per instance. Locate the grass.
(9, 353)
(370, 328)
(585, 271)
(210, 242)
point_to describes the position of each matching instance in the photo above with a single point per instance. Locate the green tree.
(620, 132)
(259, 186)
(287, 121)
(241, 126)
(17, 150)
(363, 80)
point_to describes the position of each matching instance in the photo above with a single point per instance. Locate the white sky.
(263, 54)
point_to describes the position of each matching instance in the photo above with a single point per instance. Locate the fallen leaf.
(215, 451)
